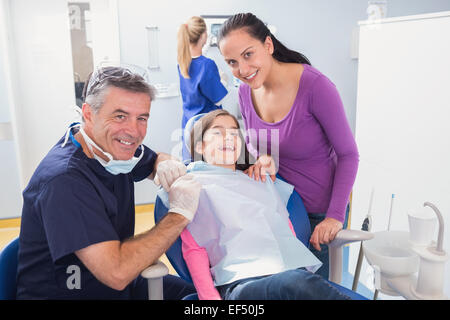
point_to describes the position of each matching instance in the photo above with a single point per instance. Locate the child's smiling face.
(221, 144)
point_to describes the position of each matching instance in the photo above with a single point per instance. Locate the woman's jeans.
(175, 288)
(322, 255)
(297, 284)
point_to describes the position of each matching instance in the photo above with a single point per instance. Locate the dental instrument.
(390, 212)
(366, 226)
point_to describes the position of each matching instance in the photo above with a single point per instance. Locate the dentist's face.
(221, 142)
(250, 60)
(120, 125)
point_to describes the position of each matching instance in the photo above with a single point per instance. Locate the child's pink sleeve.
(197, 261)
(292, 227)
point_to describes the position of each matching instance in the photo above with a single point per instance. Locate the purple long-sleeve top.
(313, 144)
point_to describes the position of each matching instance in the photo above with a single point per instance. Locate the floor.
(10, 228)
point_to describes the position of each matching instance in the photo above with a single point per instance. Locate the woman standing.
(282, 93)
(200, 84)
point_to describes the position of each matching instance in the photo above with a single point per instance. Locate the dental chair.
(300, 222)
(8, 270)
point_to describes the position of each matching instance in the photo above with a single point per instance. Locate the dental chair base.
(430, 283)
(154, 275)
(410, 288)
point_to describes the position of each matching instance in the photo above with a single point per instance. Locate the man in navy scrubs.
(77, 233)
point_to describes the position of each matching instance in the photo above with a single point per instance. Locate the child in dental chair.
(241, 244)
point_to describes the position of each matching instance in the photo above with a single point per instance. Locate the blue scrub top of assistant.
(72, 202)
(203, 90)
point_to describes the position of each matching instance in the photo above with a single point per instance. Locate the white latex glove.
(168, 171)
(184, 195)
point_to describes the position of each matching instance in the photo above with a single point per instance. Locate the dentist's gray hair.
(99, 81)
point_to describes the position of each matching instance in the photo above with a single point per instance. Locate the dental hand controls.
(184, 195)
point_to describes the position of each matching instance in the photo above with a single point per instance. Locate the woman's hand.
(265, 164)
(325, 232)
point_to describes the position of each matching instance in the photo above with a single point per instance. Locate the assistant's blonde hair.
(188, 33)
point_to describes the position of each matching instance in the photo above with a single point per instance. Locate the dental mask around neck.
(114, 167)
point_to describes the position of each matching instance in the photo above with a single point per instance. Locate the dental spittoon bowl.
(391, 252)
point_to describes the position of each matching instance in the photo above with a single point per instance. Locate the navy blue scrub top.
(72, 202)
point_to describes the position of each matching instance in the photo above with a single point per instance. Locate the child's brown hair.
(204, 123)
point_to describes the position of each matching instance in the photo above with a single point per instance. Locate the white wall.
(43, 78)
(10, 195)
(105, 30)
(402, 123)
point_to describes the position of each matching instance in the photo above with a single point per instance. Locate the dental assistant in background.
(282, 91)
(77, 232)
(200, 83)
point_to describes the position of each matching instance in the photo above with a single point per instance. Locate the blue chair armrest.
(8, 270)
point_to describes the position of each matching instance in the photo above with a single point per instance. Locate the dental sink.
(409, 264)
(391, 252)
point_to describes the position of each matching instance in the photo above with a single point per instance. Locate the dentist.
(77, 231)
